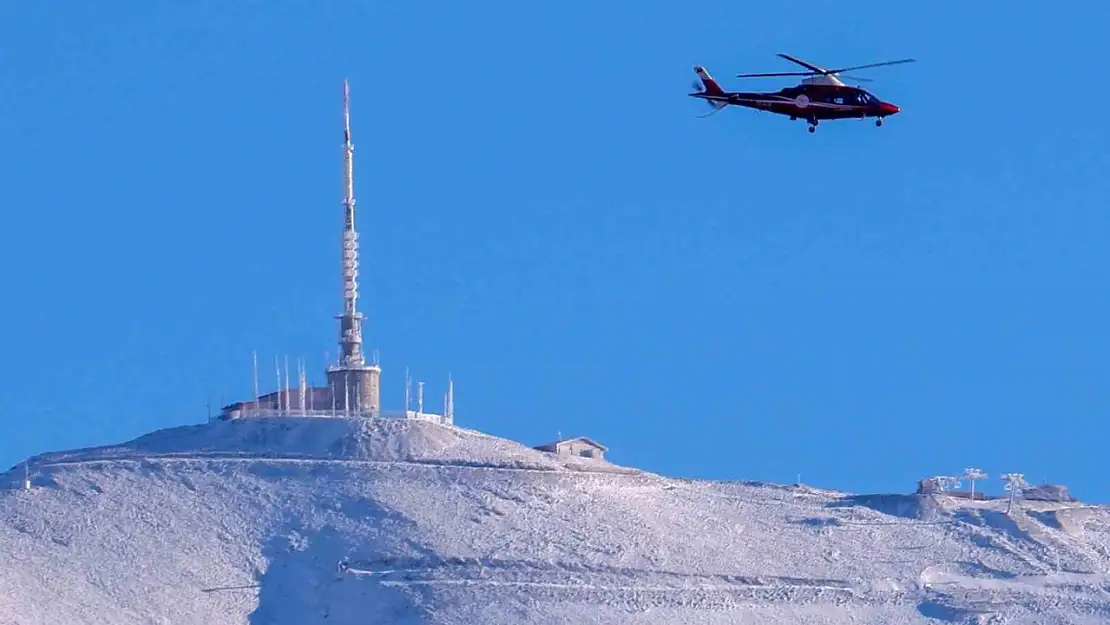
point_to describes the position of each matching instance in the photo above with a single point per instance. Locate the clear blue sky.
(544, 217)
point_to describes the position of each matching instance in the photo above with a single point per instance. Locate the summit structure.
(355, 385)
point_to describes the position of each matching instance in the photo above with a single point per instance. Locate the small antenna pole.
(302, 385)
(449, 410)
(419, 399)
(330, 385)
(288, 397)
(254, 361)
(26, 476)
(408, 392)
(277, 389)
(311, 397)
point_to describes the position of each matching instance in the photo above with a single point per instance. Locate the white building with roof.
(578, 446)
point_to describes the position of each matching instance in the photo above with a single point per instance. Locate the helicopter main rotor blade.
(809, 66)
(848, 69)
(775, 74)
(817, 71)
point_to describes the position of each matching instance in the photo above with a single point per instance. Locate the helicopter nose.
(888, 109)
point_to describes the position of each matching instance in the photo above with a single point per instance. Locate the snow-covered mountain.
(249, 521)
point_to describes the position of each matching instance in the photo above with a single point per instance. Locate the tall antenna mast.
(351, 373)
(351, 341)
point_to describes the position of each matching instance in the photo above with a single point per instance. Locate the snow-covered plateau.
(343, 521)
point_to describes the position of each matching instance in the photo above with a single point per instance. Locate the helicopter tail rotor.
(714, 106)
(707, 86)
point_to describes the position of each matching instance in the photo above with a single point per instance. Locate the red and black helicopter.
(820, 96)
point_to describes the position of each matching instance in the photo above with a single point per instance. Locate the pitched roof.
(584, 439)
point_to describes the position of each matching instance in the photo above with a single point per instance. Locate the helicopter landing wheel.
(879, 122)
(812, 128)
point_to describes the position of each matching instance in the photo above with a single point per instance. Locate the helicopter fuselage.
(809, 101)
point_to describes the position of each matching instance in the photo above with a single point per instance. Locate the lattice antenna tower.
(972, 475)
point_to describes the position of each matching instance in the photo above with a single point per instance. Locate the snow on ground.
(248, 522)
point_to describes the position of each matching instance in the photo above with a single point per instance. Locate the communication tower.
(355, 383)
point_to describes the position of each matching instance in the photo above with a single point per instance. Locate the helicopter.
(820, 96)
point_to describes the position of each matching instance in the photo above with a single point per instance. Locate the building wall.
(363, 388)
(578, 448)
(316, 398)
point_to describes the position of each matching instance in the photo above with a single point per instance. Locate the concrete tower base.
(357, 388)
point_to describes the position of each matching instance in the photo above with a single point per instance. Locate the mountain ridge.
(249, 521)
